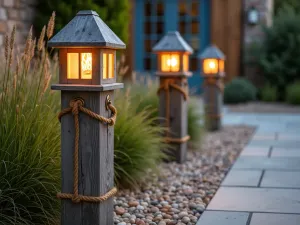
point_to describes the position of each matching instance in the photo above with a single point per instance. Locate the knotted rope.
(166, 85)
(75, 107)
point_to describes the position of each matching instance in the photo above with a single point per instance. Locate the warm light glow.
(170, 62)
(110, 66)
(73, 65)
(185, 62)
(108, 70)
(104, 70)
(210, 66)
(86, 65)
(221, 66)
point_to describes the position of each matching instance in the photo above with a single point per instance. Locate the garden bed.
(263, 107)
(182, 191)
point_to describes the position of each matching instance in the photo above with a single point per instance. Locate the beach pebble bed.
(181, 192)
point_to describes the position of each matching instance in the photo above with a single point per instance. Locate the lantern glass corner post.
(173, 69)
(87, 80)
(213, 70)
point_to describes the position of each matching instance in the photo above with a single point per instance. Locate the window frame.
(112, 79)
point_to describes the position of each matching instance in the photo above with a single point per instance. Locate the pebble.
(179, 195)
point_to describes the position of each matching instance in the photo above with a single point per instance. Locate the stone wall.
(19, 13)
(254, 33)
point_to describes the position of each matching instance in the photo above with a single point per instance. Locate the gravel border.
(182, 191)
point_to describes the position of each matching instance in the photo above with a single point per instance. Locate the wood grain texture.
(95, 161)
(226, 33)
(178, 118)
(213, 101)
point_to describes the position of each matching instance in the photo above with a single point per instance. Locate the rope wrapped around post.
(76, 106)
(166, 85)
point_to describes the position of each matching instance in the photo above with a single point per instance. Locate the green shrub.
(29, 138)
(195, 121)
(279, 4)
(269, 93)
(293, 93)
(280, 56)
(115, 13)
(239, 90)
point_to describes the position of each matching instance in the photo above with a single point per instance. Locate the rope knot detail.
(166, 85)
(76, 106)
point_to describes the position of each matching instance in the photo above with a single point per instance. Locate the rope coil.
(166, 85)
(76, 106)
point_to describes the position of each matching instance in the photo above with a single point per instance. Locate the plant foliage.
(280, 57)
(269, 93)
(293, 93)
(239, 90)
(115, 13)
(29, 135)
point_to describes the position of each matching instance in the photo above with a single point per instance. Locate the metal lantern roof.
(212, 52)
(172, 42)
(86, 29)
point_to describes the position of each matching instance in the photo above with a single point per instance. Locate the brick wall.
(254, 33)
(19, 12)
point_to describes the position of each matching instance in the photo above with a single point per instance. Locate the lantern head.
(173, 55)
(253, 16)
(87, 50)
(212, 61)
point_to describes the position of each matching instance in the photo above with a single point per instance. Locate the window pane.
(185, 62)
(147, 64)
(210, 66)
(110, 66)
(221, 66)
(104, 66)
(147, 28)
(159, 27)
(148, 47)
(86, 65)
(73, 65)
(182, 8)
(148, 9)
(194, 64)
(160, 9)
(165, 58)
(194, 9)
(174, 62)
(195, 27)
(182, 27)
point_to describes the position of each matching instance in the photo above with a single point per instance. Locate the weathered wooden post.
(213, 60)
(87, 80)
(173, 70)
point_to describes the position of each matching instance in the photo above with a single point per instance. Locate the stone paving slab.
(249, 178)
(274, 219)
(278, 143)
(255, 151)
(256, 200)
(260, 162)
(223, 218)
(285, 153)
(281, 179)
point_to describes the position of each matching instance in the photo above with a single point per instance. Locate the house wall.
(19, 12)
(255, 34)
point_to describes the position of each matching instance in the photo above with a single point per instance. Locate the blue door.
(154, 18)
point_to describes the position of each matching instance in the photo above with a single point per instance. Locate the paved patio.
(263, 186)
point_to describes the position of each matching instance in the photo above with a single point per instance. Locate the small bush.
(293, 93)
(279, 55)
(269, 93)
(239, 90)
(195, 127)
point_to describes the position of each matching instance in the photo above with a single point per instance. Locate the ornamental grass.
(29, 134)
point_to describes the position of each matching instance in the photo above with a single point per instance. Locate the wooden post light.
(173, 70)
(87, 80)
(212, 61)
